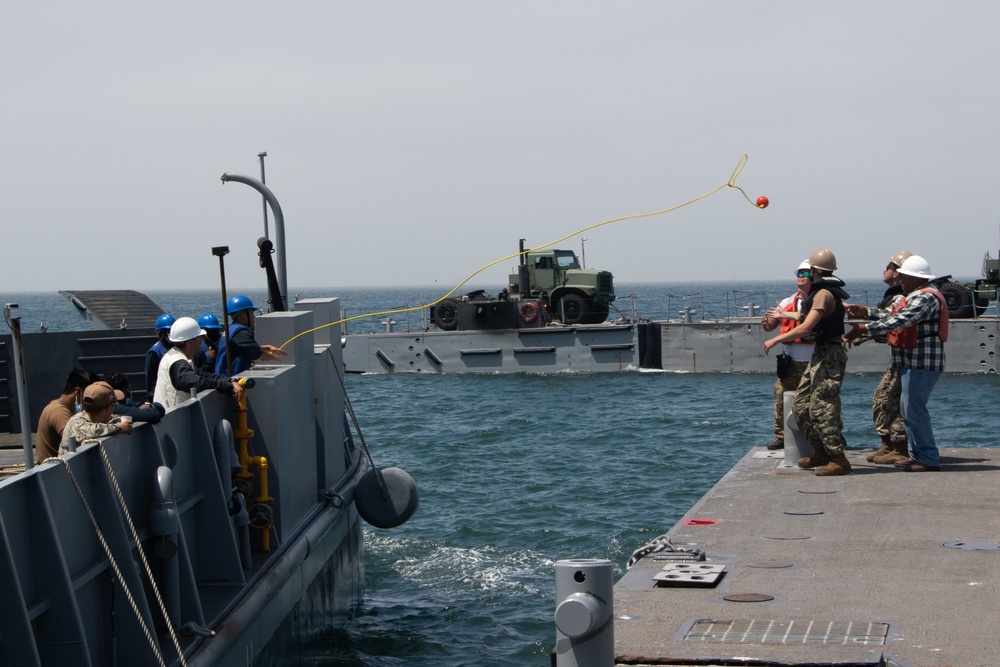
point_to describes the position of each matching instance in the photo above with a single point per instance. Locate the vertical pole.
(220, 252)
(263, 199)
(583, 253)
(22, 387)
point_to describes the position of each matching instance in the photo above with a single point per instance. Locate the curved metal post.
(279, 228)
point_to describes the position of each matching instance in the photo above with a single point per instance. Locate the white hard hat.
(916, 266)
(185, 329)
(804, 266)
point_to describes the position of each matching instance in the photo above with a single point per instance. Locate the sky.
(413, 143)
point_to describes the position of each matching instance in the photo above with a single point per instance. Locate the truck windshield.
(566, 259)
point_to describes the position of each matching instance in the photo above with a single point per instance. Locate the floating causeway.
(880, 567)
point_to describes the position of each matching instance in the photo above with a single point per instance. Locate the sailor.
(177, 376)
(245, 349)
(95, 419)
(156, 352)
(885, 402)
(205, 359)
(817, 399)
(793, 361)
(57, 414)
(917, 329)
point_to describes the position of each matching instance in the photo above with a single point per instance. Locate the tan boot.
(838, 465)
(899, 452)
(819, 458)
(881, 451)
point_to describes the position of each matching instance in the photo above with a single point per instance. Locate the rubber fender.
(395, 506)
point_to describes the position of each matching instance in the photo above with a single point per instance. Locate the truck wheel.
(959, 300)
(446, 315)
(572, 309)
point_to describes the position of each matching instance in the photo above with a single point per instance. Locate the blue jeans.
(917, 386)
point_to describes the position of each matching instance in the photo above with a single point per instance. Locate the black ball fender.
(386, 497)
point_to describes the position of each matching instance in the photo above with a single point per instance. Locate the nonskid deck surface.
(880, 567)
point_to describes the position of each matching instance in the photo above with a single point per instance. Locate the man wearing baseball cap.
(177, 375)
(94, 420)
(916, 329)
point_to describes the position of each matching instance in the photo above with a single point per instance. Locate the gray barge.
(137, 551)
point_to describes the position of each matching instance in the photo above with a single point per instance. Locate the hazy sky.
(415, 142)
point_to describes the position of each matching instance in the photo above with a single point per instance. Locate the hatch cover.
(763, 631)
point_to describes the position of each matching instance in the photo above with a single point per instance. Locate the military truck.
(549, 286)
(972, 300)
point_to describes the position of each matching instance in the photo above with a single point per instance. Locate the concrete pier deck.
(880, 567)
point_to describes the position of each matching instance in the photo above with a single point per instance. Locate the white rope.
(142, 556)
(114, 566)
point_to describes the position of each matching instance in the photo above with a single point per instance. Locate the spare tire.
(445, 315)
(959, 300)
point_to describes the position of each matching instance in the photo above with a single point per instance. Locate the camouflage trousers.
(817, 400)
(885, 409)
(788, 383)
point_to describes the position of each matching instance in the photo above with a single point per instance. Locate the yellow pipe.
(242, 434)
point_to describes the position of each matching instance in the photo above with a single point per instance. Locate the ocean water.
(518, 471)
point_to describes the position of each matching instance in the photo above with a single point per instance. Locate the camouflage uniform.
(81, 427)
(788, 383)
(817, 401)
(885, 409)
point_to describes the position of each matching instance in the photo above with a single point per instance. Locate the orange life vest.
(906, 338)
(788, 325)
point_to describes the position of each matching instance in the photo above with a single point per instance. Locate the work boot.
(777, 443)
(838, 465)
(819, 458)
(881, 451)
(899, 452)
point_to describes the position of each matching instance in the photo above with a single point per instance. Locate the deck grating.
(761, 631)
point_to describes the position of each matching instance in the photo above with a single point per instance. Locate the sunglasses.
(891, 267)
(803, 273)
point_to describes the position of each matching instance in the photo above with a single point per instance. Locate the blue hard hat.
(165, 321)
(239, 303)
(209, 321)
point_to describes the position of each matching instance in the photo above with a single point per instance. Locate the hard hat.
(185, 329)
(823, 259)
(239, 303)
(916, 266)
(804, 266)
(164, 322)
(209, 321)
(900, 257)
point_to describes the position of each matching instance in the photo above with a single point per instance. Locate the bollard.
(585, 631)
(796, 444)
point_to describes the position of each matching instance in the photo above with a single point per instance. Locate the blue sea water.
(518, 471)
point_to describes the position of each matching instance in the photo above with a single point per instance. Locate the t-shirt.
(49, 433)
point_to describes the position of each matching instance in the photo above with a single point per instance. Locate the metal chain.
(661, 543)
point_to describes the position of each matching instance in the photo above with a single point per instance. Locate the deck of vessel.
(862, 570)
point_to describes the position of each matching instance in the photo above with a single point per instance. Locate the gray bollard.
(585, 630)
(796, 444)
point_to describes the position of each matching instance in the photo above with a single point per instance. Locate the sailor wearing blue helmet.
(245, 348)
(205, 358)
(156, 352)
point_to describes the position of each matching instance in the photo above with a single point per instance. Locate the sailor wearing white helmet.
(177, 375)
(917, 329)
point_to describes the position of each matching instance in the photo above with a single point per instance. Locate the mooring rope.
(114, 564)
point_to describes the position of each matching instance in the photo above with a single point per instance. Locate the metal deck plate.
(689, 574)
